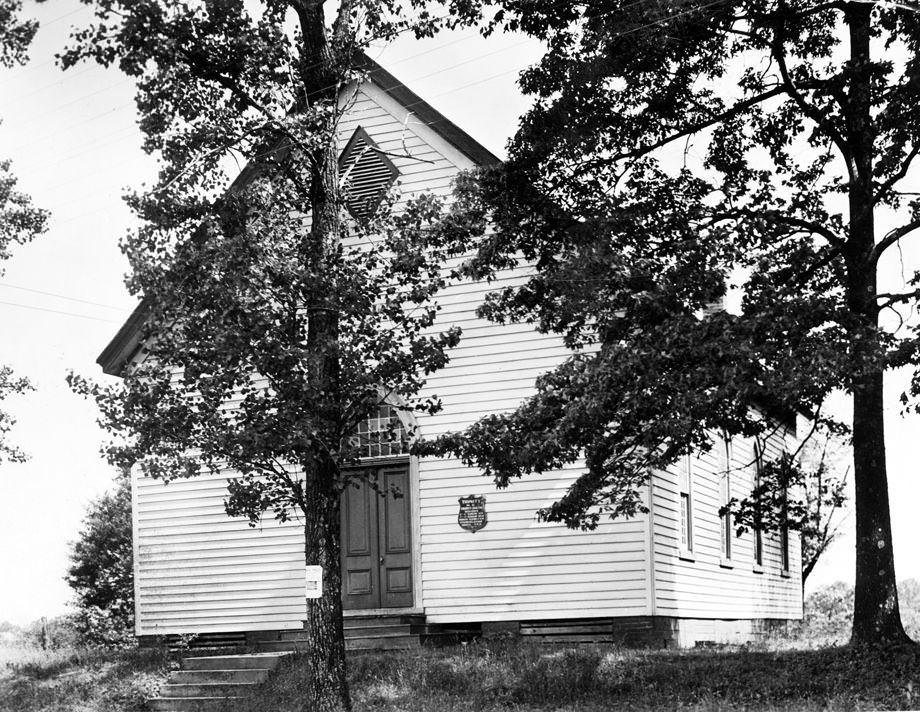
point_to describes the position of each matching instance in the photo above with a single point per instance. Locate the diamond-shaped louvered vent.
(367, 174)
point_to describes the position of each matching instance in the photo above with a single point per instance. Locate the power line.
(55, 83)
(125, 133)
(465, 36)
(61, 296)
(60, 17)
(449, 91)
(58, 311)
(31, 67)
(473, 59)
(71, 126)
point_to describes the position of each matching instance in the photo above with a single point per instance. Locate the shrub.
(101, 572)
(829, 611)
(50, 633)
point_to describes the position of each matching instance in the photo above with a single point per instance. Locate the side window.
(686, 507)
(758, 535)
(725, 495)
(784, 527)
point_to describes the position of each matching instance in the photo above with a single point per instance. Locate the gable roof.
(123, 345)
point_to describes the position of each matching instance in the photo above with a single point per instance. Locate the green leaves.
(678, 152)
(19, 220)
(101, 571)
(15, 34)
(274, 325)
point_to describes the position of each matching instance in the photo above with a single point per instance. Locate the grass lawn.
(506, 676)
(32, 679)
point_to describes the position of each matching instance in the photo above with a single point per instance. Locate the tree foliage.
(101, 572)
(247, 345)
(803, 492)
(274, 323)
(829, 611)
(676, 149)
(19, 220)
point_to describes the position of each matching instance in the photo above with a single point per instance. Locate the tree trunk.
(876, 618)
(328, 685)
(328, 688)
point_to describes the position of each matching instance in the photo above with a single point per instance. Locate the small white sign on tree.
(314, 581)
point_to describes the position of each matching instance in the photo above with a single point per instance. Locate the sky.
(75, 147)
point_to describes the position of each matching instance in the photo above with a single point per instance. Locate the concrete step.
(207, 689)
(189, 704)
(385, 620)
(191, 677)
(284, 646)
(384, 642)
(449, 637)
(205, 683)
(376, 642)
(253, 661)
(355, 632)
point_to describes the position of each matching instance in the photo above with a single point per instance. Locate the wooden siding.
(200, 571)
(708, 586)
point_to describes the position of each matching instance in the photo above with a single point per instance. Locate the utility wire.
(61, 296)
(58, 311)
(30, 67)
(469, 84)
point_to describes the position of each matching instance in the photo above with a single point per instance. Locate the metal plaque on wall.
(472, 515)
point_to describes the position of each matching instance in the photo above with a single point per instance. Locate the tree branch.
(342, 27)
(776, 216)
(902, 171)
(891, 238)
(778, 51)
(738, 108)
(895, 298)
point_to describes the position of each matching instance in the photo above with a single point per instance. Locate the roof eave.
(122, 347)
(430, 116)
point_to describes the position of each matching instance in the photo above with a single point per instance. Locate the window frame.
(725, 495)
(784, 530)
(685, 511)
(758, 533)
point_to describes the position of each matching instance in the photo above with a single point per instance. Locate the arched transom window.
(381, 434)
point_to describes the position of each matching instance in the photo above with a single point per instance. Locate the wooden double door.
(377, 540)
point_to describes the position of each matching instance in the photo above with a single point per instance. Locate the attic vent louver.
(367, 175)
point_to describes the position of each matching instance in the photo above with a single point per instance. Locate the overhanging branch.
(891, 238)
(885, 187)
(778, 217)
(734, 111)
(778, 51)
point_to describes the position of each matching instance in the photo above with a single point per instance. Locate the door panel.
(359, 547)
(377, 541)
(395, 531)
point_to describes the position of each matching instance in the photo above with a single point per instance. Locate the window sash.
(758, 534)
(686, 506)
(726, 493)
(686, 527)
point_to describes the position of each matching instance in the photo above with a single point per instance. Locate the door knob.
(381, 561)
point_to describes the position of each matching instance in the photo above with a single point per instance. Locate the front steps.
(375, 632)
(204, 684)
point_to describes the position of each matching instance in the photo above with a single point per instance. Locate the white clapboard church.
(429, 561)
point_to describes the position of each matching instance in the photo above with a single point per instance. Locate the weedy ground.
(506, 676)
(72, 680)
